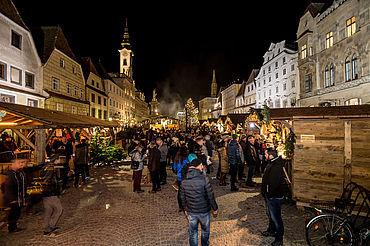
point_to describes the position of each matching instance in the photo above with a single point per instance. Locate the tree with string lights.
(191, 113)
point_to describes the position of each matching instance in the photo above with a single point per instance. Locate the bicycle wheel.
(329, 229)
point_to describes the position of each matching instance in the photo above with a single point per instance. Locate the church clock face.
(124, 53)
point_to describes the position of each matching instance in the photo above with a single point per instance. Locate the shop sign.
(307, 138)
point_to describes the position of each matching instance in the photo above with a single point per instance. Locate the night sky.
(176, 45)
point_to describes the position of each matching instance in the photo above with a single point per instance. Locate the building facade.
(62, 75)
(95, 89)
(141, 107)
(20, 65)
(205, 107)
(333, 44)
(277, 81)
(228, 98)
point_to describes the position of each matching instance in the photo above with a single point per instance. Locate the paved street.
(107, 212)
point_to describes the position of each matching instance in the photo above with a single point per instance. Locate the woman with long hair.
(181, 159)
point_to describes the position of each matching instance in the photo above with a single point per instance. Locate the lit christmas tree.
(192, 113)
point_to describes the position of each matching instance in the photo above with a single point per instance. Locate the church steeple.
(126, 38)
(126, 54)
(214, 85)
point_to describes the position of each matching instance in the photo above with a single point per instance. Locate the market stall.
(34, 127)
(163, 122)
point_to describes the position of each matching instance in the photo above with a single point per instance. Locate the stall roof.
(20, 116)
(358, 111)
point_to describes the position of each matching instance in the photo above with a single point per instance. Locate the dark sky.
(176, 45)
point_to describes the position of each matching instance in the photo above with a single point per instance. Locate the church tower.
(126, 54)
(214, 85)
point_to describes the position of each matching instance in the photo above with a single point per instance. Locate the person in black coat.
(233, 154)
(272, 190)
(154, 166)
(252, 159)
(197, 199)
(15, 192)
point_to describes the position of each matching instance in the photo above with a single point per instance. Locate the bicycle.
(345, 223)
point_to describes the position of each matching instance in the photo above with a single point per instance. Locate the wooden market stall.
(163, 122)
(332, 149)
(36, 126)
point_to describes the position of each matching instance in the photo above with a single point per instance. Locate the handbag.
(134, 165)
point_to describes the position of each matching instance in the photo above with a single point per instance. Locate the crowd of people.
(235, 158)
(193, 156)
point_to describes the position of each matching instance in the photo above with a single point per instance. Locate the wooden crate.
(330, 153)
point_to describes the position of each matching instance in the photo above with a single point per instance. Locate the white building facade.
(277, 82)
(20, 65)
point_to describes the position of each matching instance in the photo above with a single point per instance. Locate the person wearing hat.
(197, 199)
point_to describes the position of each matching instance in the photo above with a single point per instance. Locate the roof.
(241, 89)
(8, 9)
(88, 67)
(102, 71)
(317, 8)
(31, 117)
(252, 76)
(48, 38)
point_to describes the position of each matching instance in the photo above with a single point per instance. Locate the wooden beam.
(347, 153)
(24, 138)
(51, 133)
(40, 153)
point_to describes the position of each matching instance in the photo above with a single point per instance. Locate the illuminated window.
(329, 40)
(74, 110)
(62, 63)
(59, 107)
(32, 102)
(354, 67)
(351, 26)
(7, 98)
(348, 69)
(304, 51)
(69, 88)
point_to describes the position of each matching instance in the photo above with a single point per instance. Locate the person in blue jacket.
(181, 159)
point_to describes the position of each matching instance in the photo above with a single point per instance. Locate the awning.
(20, 116)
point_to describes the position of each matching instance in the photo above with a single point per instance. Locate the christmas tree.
(192, 113)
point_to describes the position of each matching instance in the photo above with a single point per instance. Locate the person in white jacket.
(138, 158)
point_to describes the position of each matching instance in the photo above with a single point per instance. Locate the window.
(105, 114)
(97, 84)
(2, 71)
(277, 89)
(59, 107)
(124, 62)
(99, 99)
(105, 102)
(308, 83)
(351, 26)
(277, 75)
(329, 40)
(251, 87)
(69, 88)
(310, 52)
(327, 77)
(93, 112)
(263, 71)
(354, 67)
(304, 51)
(74, 110)
(283, 60)
(74, 69)
(16, 75)
(92, 97)
(269, 79)
(92, 82)
(264, 82)
(55, 84)
(7, 98)
(32, 103)
(30, 80)
(284, 86)
(277, 103)
(81, 93)
(16, 40)
(284, 71)
(348, 69)
(353, 101)
(276, 64)
(292, 67)
(76, 91)
(84, 111)
(62, 63)
(293, 83)
(269, 68)
(332, 81)
(99, 113)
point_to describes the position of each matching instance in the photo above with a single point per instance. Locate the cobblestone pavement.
(107, 212)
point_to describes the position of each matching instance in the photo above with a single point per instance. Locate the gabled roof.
(317, 8)
(48, 38)
(253, 76)
(102, 71)
(88, 67)
(241, 89)
(8, 9)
